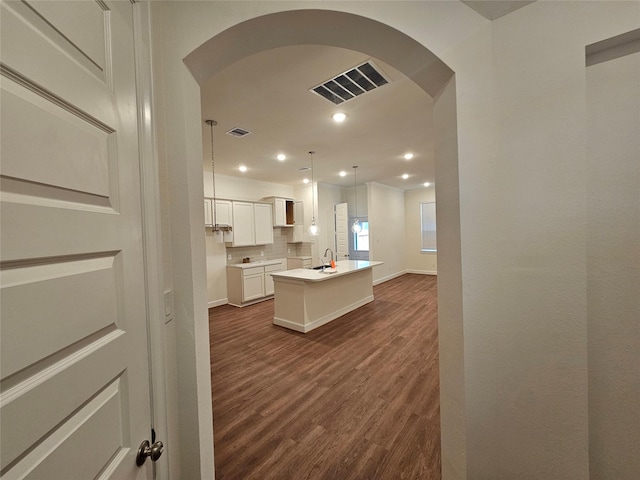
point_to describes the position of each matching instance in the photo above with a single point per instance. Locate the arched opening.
(323, 27)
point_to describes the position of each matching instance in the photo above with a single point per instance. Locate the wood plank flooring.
(357, 398)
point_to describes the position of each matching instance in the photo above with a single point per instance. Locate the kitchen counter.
(259, 263)
(306, 299)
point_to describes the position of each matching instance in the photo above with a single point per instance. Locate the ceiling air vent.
(351, 83)
(238, 132)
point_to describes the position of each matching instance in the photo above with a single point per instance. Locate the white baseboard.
(424, 272)
(389, 277)
(217, 303)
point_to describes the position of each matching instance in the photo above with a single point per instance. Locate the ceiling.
(268, 94)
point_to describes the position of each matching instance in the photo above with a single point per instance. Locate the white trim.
(250, 302)
(423, 272)
(322, 320)
(151, 229)
(217, 303)
(389, 277)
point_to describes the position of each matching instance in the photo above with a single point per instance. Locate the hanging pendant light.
(313, 228)
(221, 233)
(356, 227)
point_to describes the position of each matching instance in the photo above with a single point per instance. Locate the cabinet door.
(243, 224)
(223, 212)
(269, 288)
(252, 287)
(208, 216)
(263, 224)
(279, 212)
(298, 213)
(297, 232)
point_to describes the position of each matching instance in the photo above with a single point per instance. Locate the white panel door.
(342, 231)
(74, 387)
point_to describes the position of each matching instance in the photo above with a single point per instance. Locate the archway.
(339, 29)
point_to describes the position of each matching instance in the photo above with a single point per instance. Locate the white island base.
(306, 299)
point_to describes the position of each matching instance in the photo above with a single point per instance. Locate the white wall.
(417, 261)
(519, 408)
(613, 266)
(386, 230)
(238, 188)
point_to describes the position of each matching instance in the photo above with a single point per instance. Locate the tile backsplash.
(279, 249)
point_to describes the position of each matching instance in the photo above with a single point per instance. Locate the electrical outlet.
(262, 253)
(229, 257)
(288, 250)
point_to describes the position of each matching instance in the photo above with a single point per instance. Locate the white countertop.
(343, 267)
(260, 263)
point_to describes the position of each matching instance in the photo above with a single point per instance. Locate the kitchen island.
(306, 299)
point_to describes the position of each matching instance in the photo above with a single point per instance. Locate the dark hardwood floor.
(357, 398)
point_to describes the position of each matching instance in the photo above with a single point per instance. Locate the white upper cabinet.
(223, 214)
(283, 211)
(243, 224)
(263, 223)
(208, 215)
(252, 224)
(296, 235)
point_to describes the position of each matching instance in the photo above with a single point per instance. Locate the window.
(428, 227)
(361, 240)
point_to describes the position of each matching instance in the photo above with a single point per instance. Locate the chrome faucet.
(330, 251)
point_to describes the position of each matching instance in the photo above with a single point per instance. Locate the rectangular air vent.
(238, 132)
(351, 83)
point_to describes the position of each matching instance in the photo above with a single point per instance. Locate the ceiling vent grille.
(238, 132)
(352, 83)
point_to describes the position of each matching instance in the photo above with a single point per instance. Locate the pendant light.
(220, 232)
(313, 228)
(356, 227)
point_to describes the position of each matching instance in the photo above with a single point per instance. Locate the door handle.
(147, 450)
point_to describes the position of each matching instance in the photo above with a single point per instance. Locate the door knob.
(147, 450)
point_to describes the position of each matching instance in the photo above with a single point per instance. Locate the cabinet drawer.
(252, 271)
(273, 268)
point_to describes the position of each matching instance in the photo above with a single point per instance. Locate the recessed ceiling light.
(339, 117)
(305, 180)
(405, 176)
(408, 156)
(242, 168)
(343, 173)
(426, 184)
(281, 156)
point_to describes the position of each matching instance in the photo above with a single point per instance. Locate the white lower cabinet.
(268, 279)
(251, 284)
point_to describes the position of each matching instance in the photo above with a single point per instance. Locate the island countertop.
(343, 267)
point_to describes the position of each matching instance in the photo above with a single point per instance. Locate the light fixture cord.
(211, 124)
(313, 200)
(355, 188)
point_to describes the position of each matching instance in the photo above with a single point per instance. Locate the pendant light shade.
(313, 228)
(356, 227)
